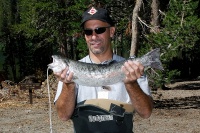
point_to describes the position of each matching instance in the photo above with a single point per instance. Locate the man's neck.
(99, 58)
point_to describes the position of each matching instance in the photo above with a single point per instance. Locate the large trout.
(95, 75)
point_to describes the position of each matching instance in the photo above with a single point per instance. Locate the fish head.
(58, 64)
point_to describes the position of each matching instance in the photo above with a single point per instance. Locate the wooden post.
(30, 87)
(30, 96)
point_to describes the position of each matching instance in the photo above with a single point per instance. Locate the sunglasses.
(99, 30)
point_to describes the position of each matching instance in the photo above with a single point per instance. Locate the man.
(99, 29)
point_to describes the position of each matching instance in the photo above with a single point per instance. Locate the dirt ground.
(176, 111)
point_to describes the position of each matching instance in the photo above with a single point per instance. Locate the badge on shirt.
(103, 94)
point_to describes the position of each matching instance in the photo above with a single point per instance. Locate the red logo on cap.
(92, 11)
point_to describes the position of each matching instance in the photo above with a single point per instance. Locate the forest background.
(32, 31)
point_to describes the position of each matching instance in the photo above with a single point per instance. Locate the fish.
(96, 75)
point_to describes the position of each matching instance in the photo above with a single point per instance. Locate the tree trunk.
(134, 41)
(155, 16)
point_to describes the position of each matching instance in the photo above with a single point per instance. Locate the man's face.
(98, 36)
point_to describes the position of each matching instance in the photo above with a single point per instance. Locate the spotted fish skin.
(95, 75)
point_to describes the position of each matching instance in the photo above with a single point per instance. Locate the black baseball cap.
(94, 13)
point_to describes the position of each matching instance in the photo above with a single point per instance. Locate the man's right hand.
(65, 75)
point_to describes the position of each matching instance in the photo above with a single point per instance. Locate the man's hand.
(65, 75)
(133, 70)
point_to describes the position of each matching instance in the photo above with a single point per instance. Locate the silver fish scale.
(96, 75)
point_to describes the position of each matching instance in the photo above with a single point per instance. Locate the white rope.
(50, 117)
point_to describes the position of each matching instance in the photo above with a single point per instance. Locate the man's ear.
(112, 32)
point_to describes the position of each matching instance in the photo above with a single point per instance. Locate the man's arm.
(65, 103)
(142, 103)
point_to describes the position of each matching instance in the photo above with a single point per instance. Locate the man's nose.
(94, 35)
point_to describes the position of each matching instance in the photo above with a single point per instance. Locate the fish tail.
(155, 62)
(152, 59)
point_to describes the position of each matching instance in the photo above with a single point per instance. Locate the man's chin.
(96, 51)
